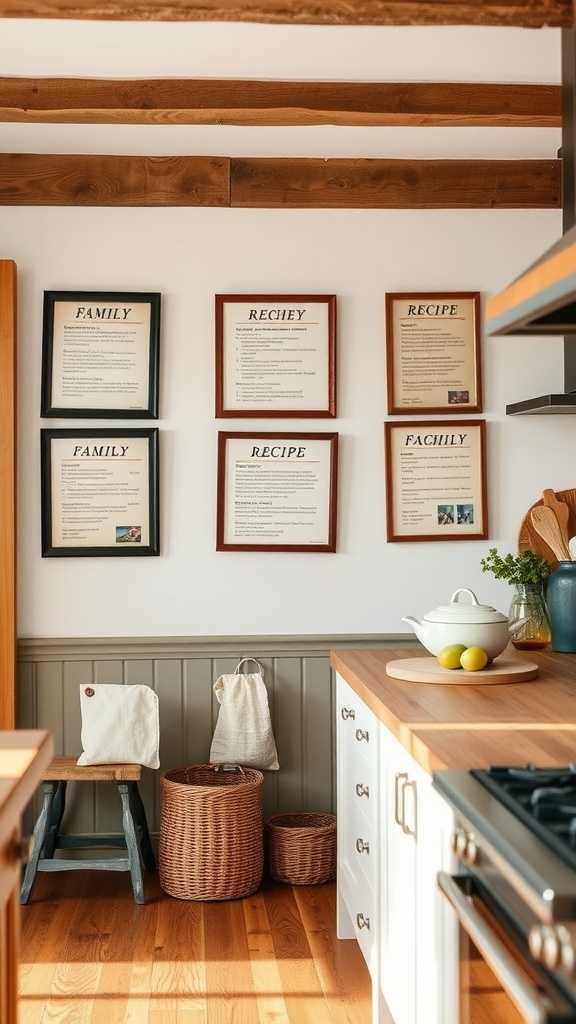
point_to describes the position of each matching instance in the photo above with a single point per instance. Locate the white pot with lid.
(469, 623)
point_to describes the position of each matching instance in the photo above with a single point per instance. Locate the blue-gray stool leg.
(131, 843)
(55, 820)
(38, 838)
(139, 814)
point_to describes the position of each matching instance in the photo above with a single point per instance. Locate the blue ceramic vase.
(561, 601)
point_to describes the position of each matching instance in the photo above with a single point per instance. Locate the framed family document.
(277, 492)
(100, 492)
(436, 480)
(433, 358)
(100, 354)
(276, 355)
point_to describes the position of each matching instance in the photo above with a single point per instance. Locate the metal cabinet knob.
(362, 790)
(362, 921)
(362, 846)
(362, 734)
(348, 713)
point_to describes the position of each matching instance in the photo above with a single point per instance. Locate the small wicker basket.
(211, 841)
(302, 848)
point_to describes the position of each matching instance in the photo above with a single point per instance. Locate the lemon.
(474, 659)
(449, 657)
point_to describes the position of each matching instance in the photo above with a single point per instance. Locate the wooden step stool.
(47, 838)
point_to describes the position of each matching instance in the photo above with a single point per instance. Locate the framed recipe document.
(276, 355)
(100, 492)
(100, 354)
(433, 358)
(277, 492)
(436, 480)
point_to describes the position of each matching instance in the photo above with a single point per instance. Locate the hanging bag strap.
(243, 662)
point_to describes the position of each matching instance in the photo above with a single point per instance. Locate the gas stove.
(515, 838)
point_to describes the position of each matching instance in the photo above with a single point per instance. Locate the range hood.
(543, 299)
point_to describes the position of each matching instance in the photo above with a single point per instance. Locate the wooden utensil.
(572, 548)
(546, 525)
(529, 540)
(560, 510)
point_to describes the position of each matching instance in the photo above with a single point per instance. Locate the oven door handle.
(533, 1008)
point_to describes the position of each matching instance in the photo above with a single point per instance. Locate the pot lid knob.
(464, 590)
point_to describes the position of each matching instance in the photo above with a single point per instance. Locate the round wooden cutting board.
(427, 670)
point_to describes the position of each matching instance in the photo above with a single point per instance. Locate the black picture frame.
(153, 548)
(49, 410)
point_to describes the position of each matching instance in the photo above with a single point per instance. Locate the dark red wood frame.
(329, 412)
(332, 438)
(400, 410)
(426, 424)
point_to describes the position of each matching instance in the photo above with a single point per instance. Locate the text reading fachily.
(446, 440)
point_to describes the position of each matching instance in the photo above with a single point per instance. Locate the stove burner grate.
(543, 799)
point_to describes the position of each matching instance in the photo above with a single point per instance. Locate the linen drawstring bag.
(120, 725)
(243, 733)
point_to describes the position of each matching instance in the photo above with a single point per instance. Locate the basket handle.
(243, 662)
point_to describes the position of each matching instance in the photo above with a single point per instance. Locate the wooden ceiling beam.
(29, 179)
(524, 13)
(243, 102)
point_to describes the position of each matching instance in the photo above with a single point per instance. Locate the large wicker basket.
(302, 848)
(211, 842)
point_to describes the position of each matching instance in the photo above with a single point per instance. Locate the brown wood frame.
(253, 102)
(522, 13)
(262, 413)
(411, 410)
(331, 438)
(391, 536)
(7, 494)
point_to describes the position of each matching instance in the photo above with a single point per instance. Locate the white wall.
(190, 254)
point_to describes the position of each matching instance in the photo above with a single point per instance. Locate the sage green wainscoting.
(182, 671)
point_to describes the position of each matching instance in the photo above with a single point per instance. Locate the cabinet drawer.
(361, 905)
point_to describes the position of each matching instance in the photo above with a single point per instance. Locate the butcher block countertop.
(451, 726)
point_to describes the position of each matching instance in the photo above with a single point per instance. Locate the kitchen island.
(397, 833)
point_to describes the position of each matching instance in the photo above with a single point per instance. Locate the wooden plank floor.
(90, 956)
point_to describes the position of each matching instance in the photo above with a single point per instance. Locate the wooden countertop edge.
(24, 786)
(417, 737)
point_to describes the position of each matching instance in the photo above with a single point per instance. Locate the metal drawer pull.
(362, 846)
(348, 713)
(397, 778)
(362, 790)
(406, 828)
(362, 734)
(532, 1008)
(362, 922)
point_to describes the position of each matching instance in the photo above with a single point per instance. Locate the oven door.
(499, 982)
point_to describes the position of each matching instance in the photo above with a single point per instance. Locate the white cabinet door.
(436, 927)
(398, 951)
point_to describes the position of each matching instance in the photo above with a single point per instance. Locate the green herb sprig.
(520, 569)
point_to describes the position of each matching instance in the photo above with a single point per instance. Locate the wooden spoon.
(546, 525)
(560, 510)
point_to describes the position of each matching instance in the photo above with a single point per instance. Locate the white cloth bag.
(120, 725)
(243, 733)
